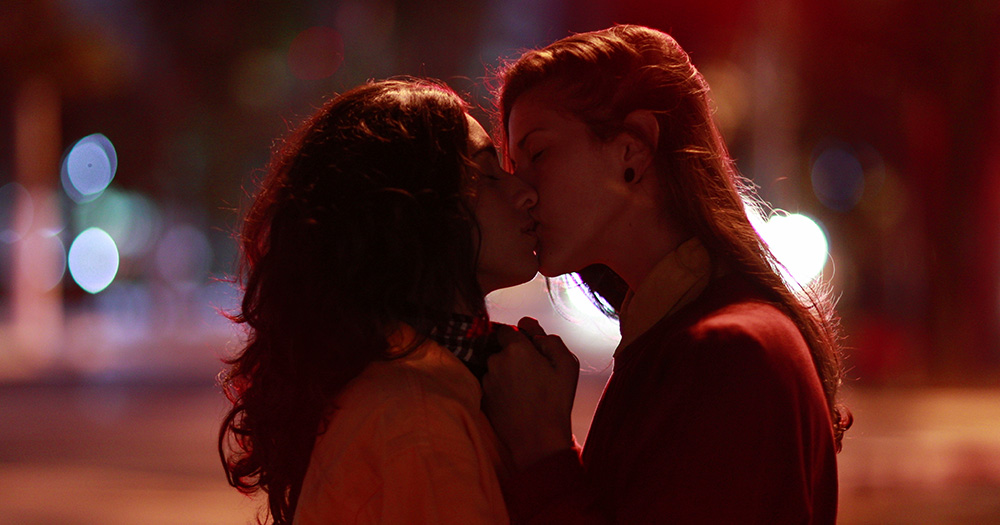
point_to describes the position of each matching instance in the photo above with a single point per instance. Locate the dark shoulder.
(732, 329)
(753, 339)
(753, 322)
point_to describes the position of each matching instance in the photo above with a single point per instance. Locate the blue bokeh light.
(838, 179)
(89, 167)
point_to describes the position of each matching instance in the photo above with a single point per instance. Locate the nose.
(525, 196)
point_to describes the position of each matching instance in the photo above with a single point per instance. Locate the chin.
(528, 274)
(553, 270)
(546, 273)
(550, 264)
(512, 278)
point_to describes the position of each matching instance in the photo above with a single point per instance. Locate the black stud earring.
(629, 175)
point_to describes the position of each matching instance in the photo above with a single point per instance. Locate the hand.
(529, 390)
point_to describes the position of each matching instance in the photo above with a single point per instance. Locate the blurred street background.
(132, 131)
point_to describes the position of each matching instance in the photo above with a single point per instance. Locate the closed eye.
(487, 156)
(485, 149)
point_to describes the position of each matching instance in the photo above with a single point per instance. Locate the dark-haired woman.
(382, 223)
(722, 407)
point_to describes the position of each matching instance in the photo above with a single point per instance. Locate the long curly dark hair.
(605, 75)
(362, 222)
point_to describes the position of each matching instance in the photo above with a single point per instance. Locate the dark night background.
(878, 119)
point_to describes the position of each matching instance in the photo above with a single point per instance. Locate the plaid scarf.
(471, 339)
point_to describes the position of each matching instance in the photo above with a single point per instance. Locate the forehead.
(477, 135)
(535, 104)
(540, 108)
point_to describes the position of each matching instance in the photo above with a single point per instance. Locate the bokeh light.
(51, 253)
(93, 260)
(838, 178)
(89, 167)
(128, 307)
(874, 166)
(130, 218)
(797, 241)
(184, 256)
(316, 53)
(730, 93)
(13, 195)
(258, 79)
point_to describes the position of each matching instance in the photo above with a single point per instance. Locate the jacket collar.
(678, 279)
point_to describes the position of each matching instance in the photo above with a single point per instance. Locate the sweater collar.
(678, 279)
(470, 339)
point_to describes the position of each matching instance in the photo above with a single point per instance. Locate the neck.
(642, 239)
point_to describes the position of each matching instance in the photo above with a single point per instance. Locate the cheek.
(551, 189)
(568, 177)
(562, 201)
(492, 219)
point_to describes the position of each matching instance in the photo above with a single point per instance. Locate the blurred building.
(876, 121)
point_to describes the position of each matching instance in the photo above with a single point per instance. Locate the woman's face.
(578, 179)
(507, 237)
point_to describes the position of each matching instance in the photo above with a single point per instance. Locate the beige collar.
(675, 281)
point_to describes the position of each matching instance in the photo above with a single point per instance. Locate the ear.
(642, 134)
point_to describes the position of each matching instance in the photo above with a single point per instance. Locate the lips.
(529, 227)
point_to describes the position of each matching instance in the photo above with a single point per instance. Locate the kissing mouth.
(530, 227)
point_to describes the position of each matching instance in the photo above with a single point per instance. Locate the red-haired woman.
(722, 407)
(382, 223)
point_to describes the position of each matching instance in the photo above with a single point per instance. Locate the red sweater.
(714, 415)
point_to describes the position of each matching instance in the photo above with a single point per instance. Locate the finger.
(570, 361)
(555, 350)
(530, 326)
(508, 335)
(549, 345)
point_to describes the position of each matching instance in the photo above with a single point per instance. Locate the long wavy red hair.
(605, 75)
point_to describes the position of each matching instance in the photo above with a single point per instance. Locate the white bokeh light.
(93, 260)
(797, 241)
